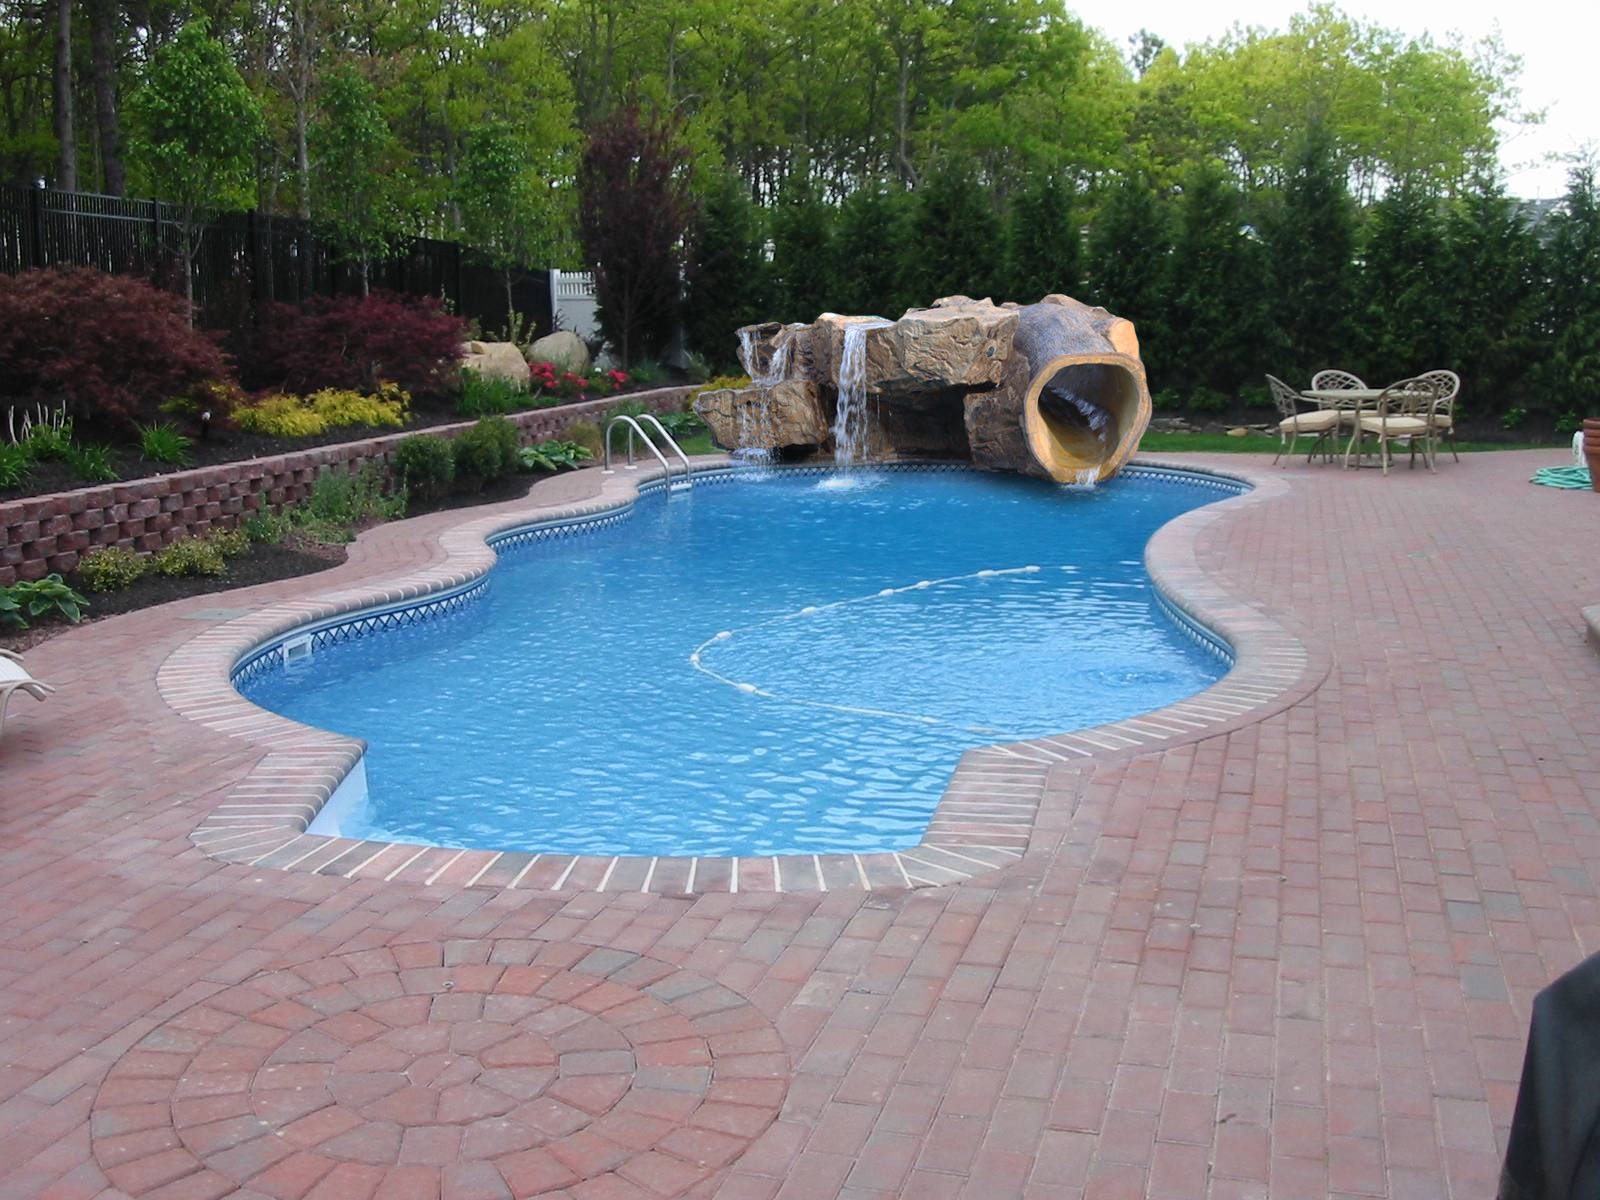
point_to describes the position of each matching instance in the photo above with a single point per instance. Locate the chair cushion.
(1442, 420)
(1395, 426)
(1320, 421)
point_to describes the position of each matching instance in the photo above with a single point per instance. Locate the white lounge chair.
(14, 677)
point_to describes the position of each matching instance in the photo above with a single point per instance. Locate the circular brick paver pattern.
(472, 1068)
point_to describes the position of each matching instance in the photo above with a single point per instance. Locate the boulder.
(956, 343)
(763, 417)
(772, 351)
(563, 348)
(496, 360)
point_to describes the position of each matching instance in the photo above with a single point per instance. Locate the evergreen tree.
(726, 276)
(1407, 310)
(874, 229)
(802, 250)
(1044, 242)
(1130, 269)
(1223, 327)
(1310, 239)
(1572, 374)
(956, 248)
(1496, 301)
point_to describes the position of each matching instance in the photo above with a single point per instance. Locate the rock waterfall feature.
(1053, 389)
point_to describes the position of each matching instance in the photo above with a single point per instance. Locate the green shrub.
(1255, 396)
(554, 456)
(1569, 422)
(15, 463)
(160, 442)
(35, 598)
(110, 568)
(1513, 417)
(486, 452)
(342, 500)
(484, 397)
(230, 543)
(265, 527)
(646, 373)
(1207, 400)
(681, 424)
(587, 434)
(92, 464)
(426, 465)
(49, 443)
(189, 556)
(1166, 400)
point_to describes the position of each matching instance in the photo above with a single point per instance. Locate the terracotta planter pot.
(1591, 450)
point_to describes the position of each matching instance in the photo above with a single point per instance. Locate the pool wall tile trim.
(984, 822)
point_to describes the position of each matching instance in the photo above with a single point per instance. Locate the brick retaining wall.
(40, 534)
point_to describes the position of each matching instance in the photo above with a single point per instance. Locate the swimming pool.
(782, 662)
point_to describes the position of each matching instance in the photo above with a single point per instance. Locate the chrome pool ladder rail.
(634, 427)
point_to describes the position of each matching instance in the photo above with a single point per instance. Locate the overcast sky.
(1556, 44)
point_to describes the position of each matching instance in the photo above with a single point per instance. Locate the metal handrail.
(633, 428)
(688, 471)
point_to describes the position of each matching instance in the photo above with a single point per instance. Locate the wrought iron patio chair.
(1399, 415)
(1442, 416)
(1295, 422)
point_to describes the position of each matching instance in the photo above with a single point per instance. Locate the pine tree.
(874, 235)
(1129, 269)
(1043, 242)
(957, 248)
(1496, 302)
(1572, 374)
(726, 276)
(1310, 238)
(1407, 310)
(802, 250)
(1223, 324)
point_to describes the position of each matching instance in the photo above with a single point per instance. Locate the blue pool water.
(586, 704)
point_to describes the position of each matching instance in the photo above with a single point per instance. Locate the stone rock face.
(496, 360)
(563, 348)
(1051, 389)
(956, 343)
(763, 417)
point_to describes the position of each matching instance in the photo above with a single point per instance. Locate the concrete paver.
(1292, 957)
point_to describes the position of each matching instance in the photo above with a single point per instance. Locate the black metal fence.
(243, 260)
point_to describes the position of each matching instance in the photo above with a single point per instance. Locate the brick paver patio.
(1291, 958)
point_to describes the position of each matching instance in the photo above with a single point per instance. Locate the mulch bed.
(261, 564)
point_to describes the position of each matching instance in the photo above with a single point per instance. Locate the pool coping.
(984, 822)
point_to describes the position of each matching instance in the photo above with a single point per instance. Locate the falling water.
(755, 419)
(1099, 424)
(850, 417)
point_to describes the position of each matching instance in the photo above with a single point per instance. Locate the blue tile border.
(273, 654)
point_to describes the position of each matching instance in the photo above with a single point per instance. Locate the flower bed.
(45, 533)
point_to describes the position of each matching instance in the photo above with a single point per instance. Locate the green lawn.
(1260, 443)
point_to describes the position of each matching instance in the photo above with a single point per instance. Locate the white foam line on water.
(810, 610)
